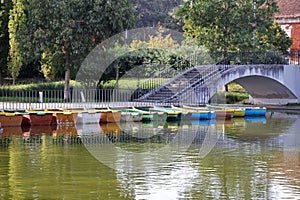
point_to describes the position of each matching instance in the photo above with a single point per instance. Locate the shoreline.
(293, 109)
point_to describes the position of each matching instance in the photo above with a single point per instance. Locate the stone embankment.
(284, 108)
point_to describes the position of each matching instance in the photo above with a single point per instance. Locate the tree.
(5, 6)
(150, 55)
(152, 13)
(234, 25)
(70, 29)
(16, 22)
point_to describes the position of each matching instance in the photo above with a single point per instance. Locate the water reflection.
(246, 158)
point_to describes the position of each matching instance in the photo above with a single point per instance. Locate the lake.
(243, 158)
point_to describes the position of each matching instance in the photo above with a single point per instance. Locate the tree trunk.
(67, 77)
(117, 78)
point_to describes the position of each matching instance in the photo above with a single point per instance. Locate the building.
(289, 20)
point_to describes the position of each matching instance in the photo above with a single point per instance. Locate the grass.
(293, 104)
(130, 83)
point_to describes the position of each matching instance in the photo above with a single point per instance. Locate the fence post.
(82, 96)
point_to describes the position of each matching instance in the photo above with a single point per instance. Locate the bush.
(236, 97)
(58, 85)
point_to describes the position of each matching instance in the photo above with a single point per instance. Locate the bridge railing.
(249, 58)
(162, 77)
(187, 92)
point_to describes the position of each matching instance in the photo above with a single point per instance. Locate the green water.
(255, 158)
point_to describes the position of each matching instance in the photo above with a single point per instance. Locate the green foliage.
(16, 22)
(50, 64)
(56, 85)
(155, 12)
(5, 6)
(231, 26)
(293, 104)
(236, 93)
(149, 57)
(144, 56)
(235, 97)
(73, 27)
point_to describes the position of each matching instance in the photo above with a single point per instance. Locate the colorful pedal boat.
(128, 114)
(11, 119)
(65, 118)
(176, 114)
(198, 114)
(249, 111)
(255, 111)
(151, 115)
(237, 112)
(110, 116)
(221, 112)
(170, 114)
(88, 117)
(39, 118)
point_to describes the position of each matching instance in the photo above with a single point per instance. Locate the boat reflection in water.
(242, 158)
(161, 142)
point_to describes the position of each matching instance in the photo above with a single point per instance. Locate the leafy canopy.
(57, 29)
(234, 25)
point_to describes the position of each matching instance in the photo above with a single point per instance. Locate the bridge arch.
(264, 83)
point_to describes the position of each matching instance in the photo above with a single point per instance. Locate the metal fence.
(293, 58)
(54, 99)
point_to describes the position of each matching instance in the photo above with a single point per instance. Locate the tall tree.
(16, 22)
(154, 12)
(5, 7)
(70, 29)
(234, 25)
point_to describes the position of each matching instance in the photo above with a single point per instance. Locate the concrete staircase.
(189, 83)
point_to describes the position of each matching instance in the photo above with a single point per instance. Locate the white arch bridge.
(266, 84)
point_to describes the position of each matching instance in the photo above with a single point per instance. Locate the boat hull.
(150, 115)
(88, 118)
(66, 118)
(128, 114)
(131, 117)
(255, 111)
(10, 119)
(110, 116)
(198, 114)
(40, 118)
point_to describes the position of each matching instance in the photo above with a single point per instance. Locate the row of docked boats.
(57, 117)
(189, 113)
(126, 114)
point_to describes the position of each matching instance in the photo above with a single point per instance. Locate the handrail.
(206, 77)
(153, 82)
